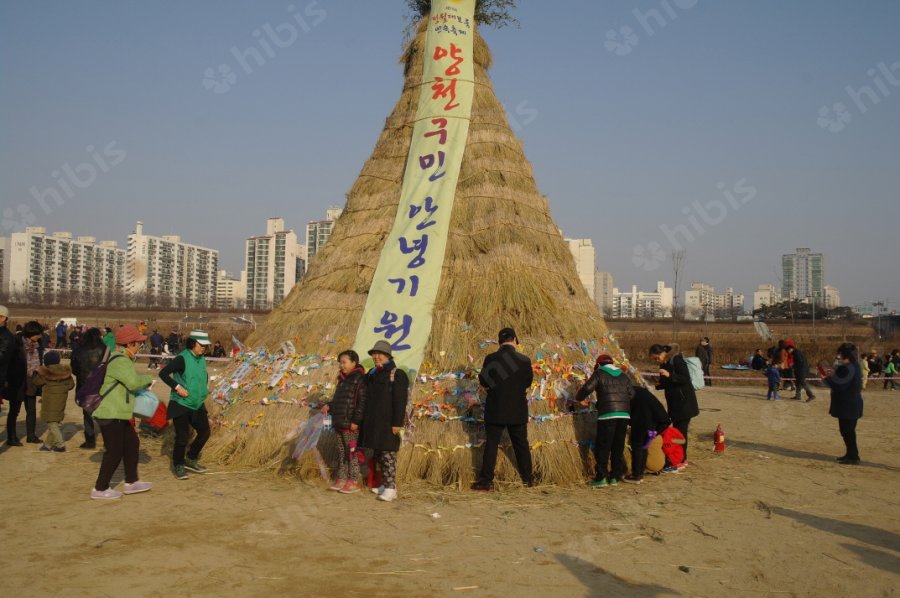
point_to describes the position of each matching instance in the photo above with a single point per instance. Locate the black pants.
(122, 445)
(15, 405)
(610, 441)
(184, 419)
(90, 433)
(682, 426)
(802, 384)
(518, 435)
(848, 433)
(638, 461)
(707, 377)
(785, 374)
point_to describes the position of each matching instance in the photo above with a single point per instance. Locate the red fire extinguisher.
(719, 439)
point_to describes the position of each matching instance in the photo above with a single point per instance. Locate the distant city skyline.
(695, 133)
(597, 283)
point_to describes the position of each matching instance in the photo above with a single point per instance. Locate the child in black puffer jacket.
(346, 409)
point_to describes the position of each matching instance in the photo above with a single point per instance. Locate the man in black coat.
(13, 371)
(7, 349)
(704, 354)
(507, 376)
(758, 362)
(801, 371)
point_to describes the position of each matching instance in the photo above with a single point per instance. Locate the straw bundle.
(506, 264)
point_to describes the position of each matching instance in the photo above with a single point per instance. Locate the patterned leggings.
(388, 462)
(348, 464)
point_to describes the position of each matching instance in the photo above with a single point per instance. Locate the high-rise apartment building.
(701, 302)
(59, 268)
(319, 231)
(766, 295)
(642, 304)
(604, 289)
(803, 275)
(231, 293)
(165, 272)
(272, 262)
(585, 263)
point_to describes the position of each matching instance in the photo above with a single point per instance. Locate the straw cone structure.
(507, 264)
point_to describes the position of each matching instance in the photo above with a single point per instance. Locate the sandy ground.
(774, 515)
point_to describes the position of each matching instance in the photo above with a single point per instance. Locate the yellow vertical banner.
(403, 292)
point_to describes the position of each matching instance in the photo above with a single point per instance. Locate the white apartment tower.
(699, 302)
(702, 303)
(832, 297)
(642, 304)
(319, 231)
(271, 263)
(231, 293)
(60, 268)
(585, 263)
(165, 272)
(604, 289)
(804, 275)
(766, 295)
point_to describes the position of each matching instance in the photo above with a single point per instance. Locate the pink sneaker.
(108, 494)
(338, 485)
(137, 487)
(350, 488)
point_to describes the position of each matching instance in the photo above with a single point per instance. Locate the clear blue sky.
(624, 134)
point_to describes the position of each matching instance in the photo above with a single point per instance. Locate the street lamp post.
(877, 305)
(814, 314)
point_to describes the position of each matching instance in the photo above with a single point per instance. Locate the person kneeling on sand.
(383, 414)
(115, 415)
(648, 420)
(346, 408)
(186, 375)
(55, 381)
